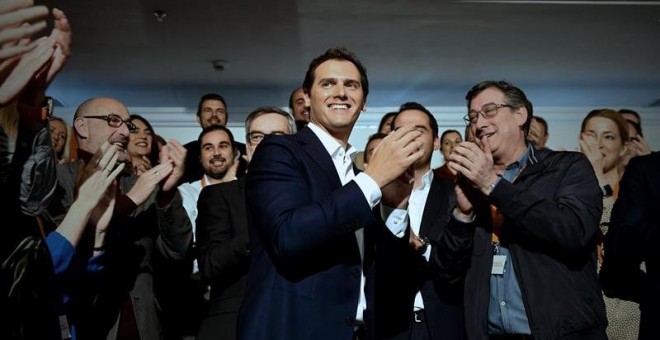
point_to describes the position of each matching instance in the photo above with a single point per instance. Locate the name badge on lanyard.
(498, 264)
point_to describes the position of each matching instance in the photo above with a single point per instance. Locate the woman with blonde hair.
(604, 139)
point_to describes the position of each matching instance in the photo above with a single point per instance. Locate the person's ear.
(624, 150)
(81, 128)
(436, 143)
(521, 115)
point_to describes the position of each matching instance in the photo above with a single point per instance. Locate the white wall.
(564, 123)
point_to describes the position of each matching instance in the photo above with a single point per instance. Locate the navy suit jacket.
(396, 259)
(305, 270)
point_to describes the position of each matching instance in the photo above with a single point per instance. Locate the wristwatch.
(425, 244)
(607, 190)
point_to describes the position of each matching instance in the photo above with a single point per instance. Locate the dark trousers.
(418, 329)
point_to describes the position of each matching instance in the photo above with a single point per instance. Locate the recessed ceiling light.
(160, 15)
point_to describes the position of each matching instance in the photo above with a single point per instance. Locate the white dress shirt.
(343, 161)
(397, 220)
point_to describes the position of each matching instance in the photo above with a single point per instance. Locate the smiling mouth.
(481, 134)
(339, 106)
(218, 161)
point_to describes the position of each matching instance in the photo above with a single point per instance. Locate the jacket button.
(355, 272)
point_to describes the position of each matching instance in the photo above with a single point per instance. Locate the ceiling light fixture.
(160, 15)
(218, 65)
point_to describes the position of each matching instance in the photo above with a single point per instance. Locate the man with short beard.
(115, 296)
(216, 156)
(217, 150)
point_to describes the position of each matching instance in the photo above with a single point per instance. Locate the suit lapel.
(436, 203)
(311, 145)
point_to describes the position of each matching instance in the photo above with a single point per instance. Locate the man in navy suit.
(310, 214)
(408, 305)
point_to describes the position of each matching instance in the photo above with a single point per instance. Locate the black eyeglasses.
(256, 137)
(115, 121)
(487, 111)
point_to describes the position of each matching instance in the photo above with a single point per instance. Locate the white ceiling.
(429, 51)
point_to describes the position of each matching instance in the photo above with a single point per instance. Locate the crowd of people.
(113, 232)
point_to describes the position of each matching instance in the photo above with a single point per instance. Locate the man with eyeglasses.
(222, 234)
(148, 231)
(523, 232)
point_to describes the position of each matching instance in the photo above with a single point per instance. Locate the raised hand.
(38, 65)
(100, 189)
(230, 175)
(94, 202)
(474, 162)
(394, 155)
(535, 135)
(589, 147)
(62, 35)
(148, 182)
(175, 154)
(19, 20)
(94, 164)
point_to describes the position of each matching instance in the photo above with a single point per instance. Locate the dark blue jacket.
(305, 271)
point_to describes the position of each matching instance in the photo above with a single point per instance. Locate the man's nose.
(340, 90)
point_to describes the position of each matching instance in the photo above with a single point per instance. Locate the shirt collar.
(426, 180)
(513, 170)
(330, 144)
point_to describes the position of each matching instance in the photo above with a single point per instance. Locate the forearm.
(75, 221)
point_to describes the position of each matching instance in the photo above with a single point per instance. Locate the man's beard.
(218, 174)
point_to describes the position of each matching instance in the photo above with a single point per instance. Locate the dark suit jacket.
(633, 237)
(223, 255)
(194, 170)
(400, 273)
(304, 277)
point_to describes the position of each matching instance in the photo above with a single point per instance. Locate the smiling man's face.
(336, 97)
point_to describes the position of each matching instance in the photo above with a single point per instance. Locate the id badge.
(64, 328)
(498, 264)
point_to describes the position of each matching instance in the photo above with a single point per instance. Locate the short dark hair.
(210, 96)
(384, 119)
(212, 128)
(417, 106)
(375, 136)
(513, 96)
(446, 132)
(638, 126)
(336, 53)
(542, 122)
